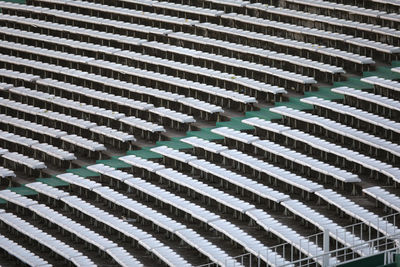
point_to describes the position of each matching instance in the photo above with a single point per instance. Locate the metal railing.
(371, 242)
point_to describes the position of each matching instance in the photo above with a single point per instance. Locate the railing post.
(325, 260)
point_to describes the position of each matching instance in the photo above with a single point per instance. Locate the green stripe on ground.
(206, 134)
(235, 123)
(295, 103)
(23, 190)
(115, 163)
(144, 153)
(53, 181)
(325, 93)
(15, 1)
(175, 144)
(353, 82)
(263, 113)
(83, 172)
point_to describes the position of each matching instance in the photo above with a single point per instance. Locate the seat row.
(21, 254)
(332, 55)
(157, 219)
(292, 159)
(329, 55)
(51, 243)
(388, 200)
(82, 233)
(325, 150)
(372, 145)
(371, 48)
(43, 151)
(18, 162)
(378, 104)
(355, 117)
(103, 218)
(384, 87)
(221, 199)
(345, 11)
(319, 220)
(354, 28)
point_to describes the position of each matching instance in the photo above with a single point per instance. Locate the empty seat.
(371, 102)
(376, 145)
(82, 207)
(347, 60)
(83, 233)
(52, 244)
(357, 118)
(21, 254)
(384, 87)
(16, 161)
(341, 156)
(388, 200)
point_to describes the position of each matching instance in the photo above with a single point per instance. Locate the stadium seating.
(198, 133)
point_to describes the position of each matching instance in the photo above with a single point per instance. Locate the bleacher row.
(82, 81)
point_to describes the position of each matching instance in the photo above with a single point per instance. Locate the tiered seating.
(313, 35)
(21, 227)
(65, 122)
(121, 102)
(171, 226)
(122, 14)
(319, 220)
(101, 217)
(388, 200)
(356, 29)
(106, 115)
(358, 213)
(87, 80)
(328, 151)
(373, 145)
(257, 166)
(43, 151)
(384, 87)
(355, 117)
(344, 11)
(316, 69)
(252, 86)
(53, 136)
(46, 214)
(315, 52)
(18, 162)
(197, 71)
(22, 255)
(292, 159)
(306, 63)
(377, 104)
(239, 207)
